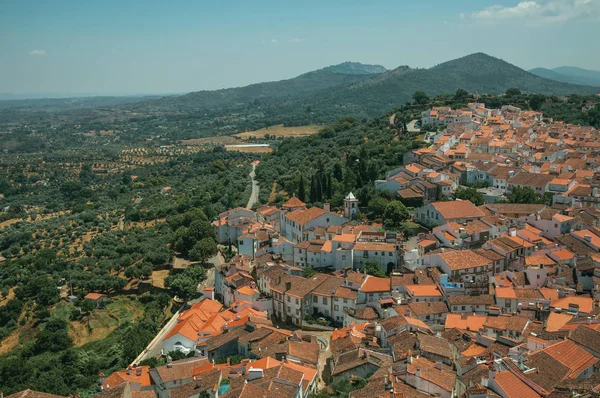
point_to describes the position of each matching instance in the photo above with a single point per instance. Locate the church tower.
(350, 206)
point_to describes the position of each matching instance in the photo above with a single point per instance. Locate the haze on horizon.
(150, 47)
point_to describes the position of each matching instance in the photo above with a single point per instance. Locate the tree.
(524, 195)
(513, 92)
(54, 337)
(470, 194)
(373, 268)
(203, 250)
(420, 97)
(302, 190)
(395, 213)
(309, 272)
(377, 206)
(461, 94)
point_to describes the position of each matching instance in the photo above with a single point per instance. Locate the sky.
(127, 47)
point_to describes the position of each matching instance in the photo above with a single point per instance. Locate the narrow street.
(254, 195)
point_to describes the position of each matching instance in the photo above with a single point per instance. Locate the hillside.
(479, 73)
(345, 73)
(324, 95)
(569, 74)
(356, 68)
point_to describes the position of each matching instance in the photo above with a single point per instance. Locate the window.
(297, 312)
(462, 308)
(324, 300)
(336, 308)
(345, 301)
(390, 254)
(289, 300)
(297, 302)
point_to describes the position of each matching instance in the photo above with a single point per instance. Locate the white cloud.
(37, 53)
(296, 40)
(275, 41)
(541, 11)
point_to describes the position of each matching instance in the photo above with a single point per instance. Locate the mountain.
(569, 74)
(478, 72)
(347, 89)
(356, 68)
(345, 73)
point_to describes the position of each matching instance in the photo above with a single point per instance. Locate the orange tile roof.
(423, 290)
(374, 284)
(556, 321)
(563, 254)
(514, 387)
(595, 239)
(470, 322)
(348, 238)
(426, 242)
(585, 303)
(293, 202)
(304, 216)
(506, 292)
(572, 356)
(473, 350)
(548, 293)
(375, 246)
(121, 376)
(247, 290)
(263, 363)
(327, 247)
(457, 209)
(464, 259)
(94, 296)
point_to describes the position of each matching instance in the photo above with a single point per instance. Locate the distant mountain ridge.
(570, 74)
(335, 75)
(362, 94)
(355, 68)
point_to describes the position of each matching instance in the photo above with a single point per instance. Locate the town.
(496, 296)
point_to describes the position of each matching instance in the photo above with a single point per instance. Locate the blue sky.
(126, 47)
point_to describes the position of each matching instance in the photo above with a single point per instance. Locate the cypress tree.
(302, 190)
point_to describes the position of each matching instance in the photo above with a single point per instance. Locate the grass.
(280, 131)
(158, 278)
(100, 322)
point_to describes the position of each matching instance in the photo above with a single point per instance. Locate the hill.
(356, 68)
(324, 95)
(345, 73)
(569, 74)
(478, 73)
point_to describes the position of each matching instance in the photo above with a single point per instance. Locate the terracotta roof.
(514, 387)
(94, 296)
(572, 356)
(375, 284)
(423, 290)
(586, 337)
(469, 322)
(457, 209)
(293, 202)
(304, 216)
(373, 246)
(585, 303)
(180, 370)
(33, 394)
(444, 379)
(464, 259)
(139, 375)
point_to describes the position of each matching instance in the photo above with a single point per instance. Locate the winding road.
(254, 195)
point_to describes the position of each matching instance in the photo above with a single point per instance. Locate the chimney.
(288, 286)
(228, 361)
(198, 381)
(169, 362)
(128, 371)
(254, 374)
(587, 237)
(326, 207)
(491, 372)
(418, 373)
(512, 232)
(388, 383)
(138, 371)
(438, 365)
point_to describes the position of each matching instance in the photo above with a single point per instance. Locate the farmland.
(280, 131)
